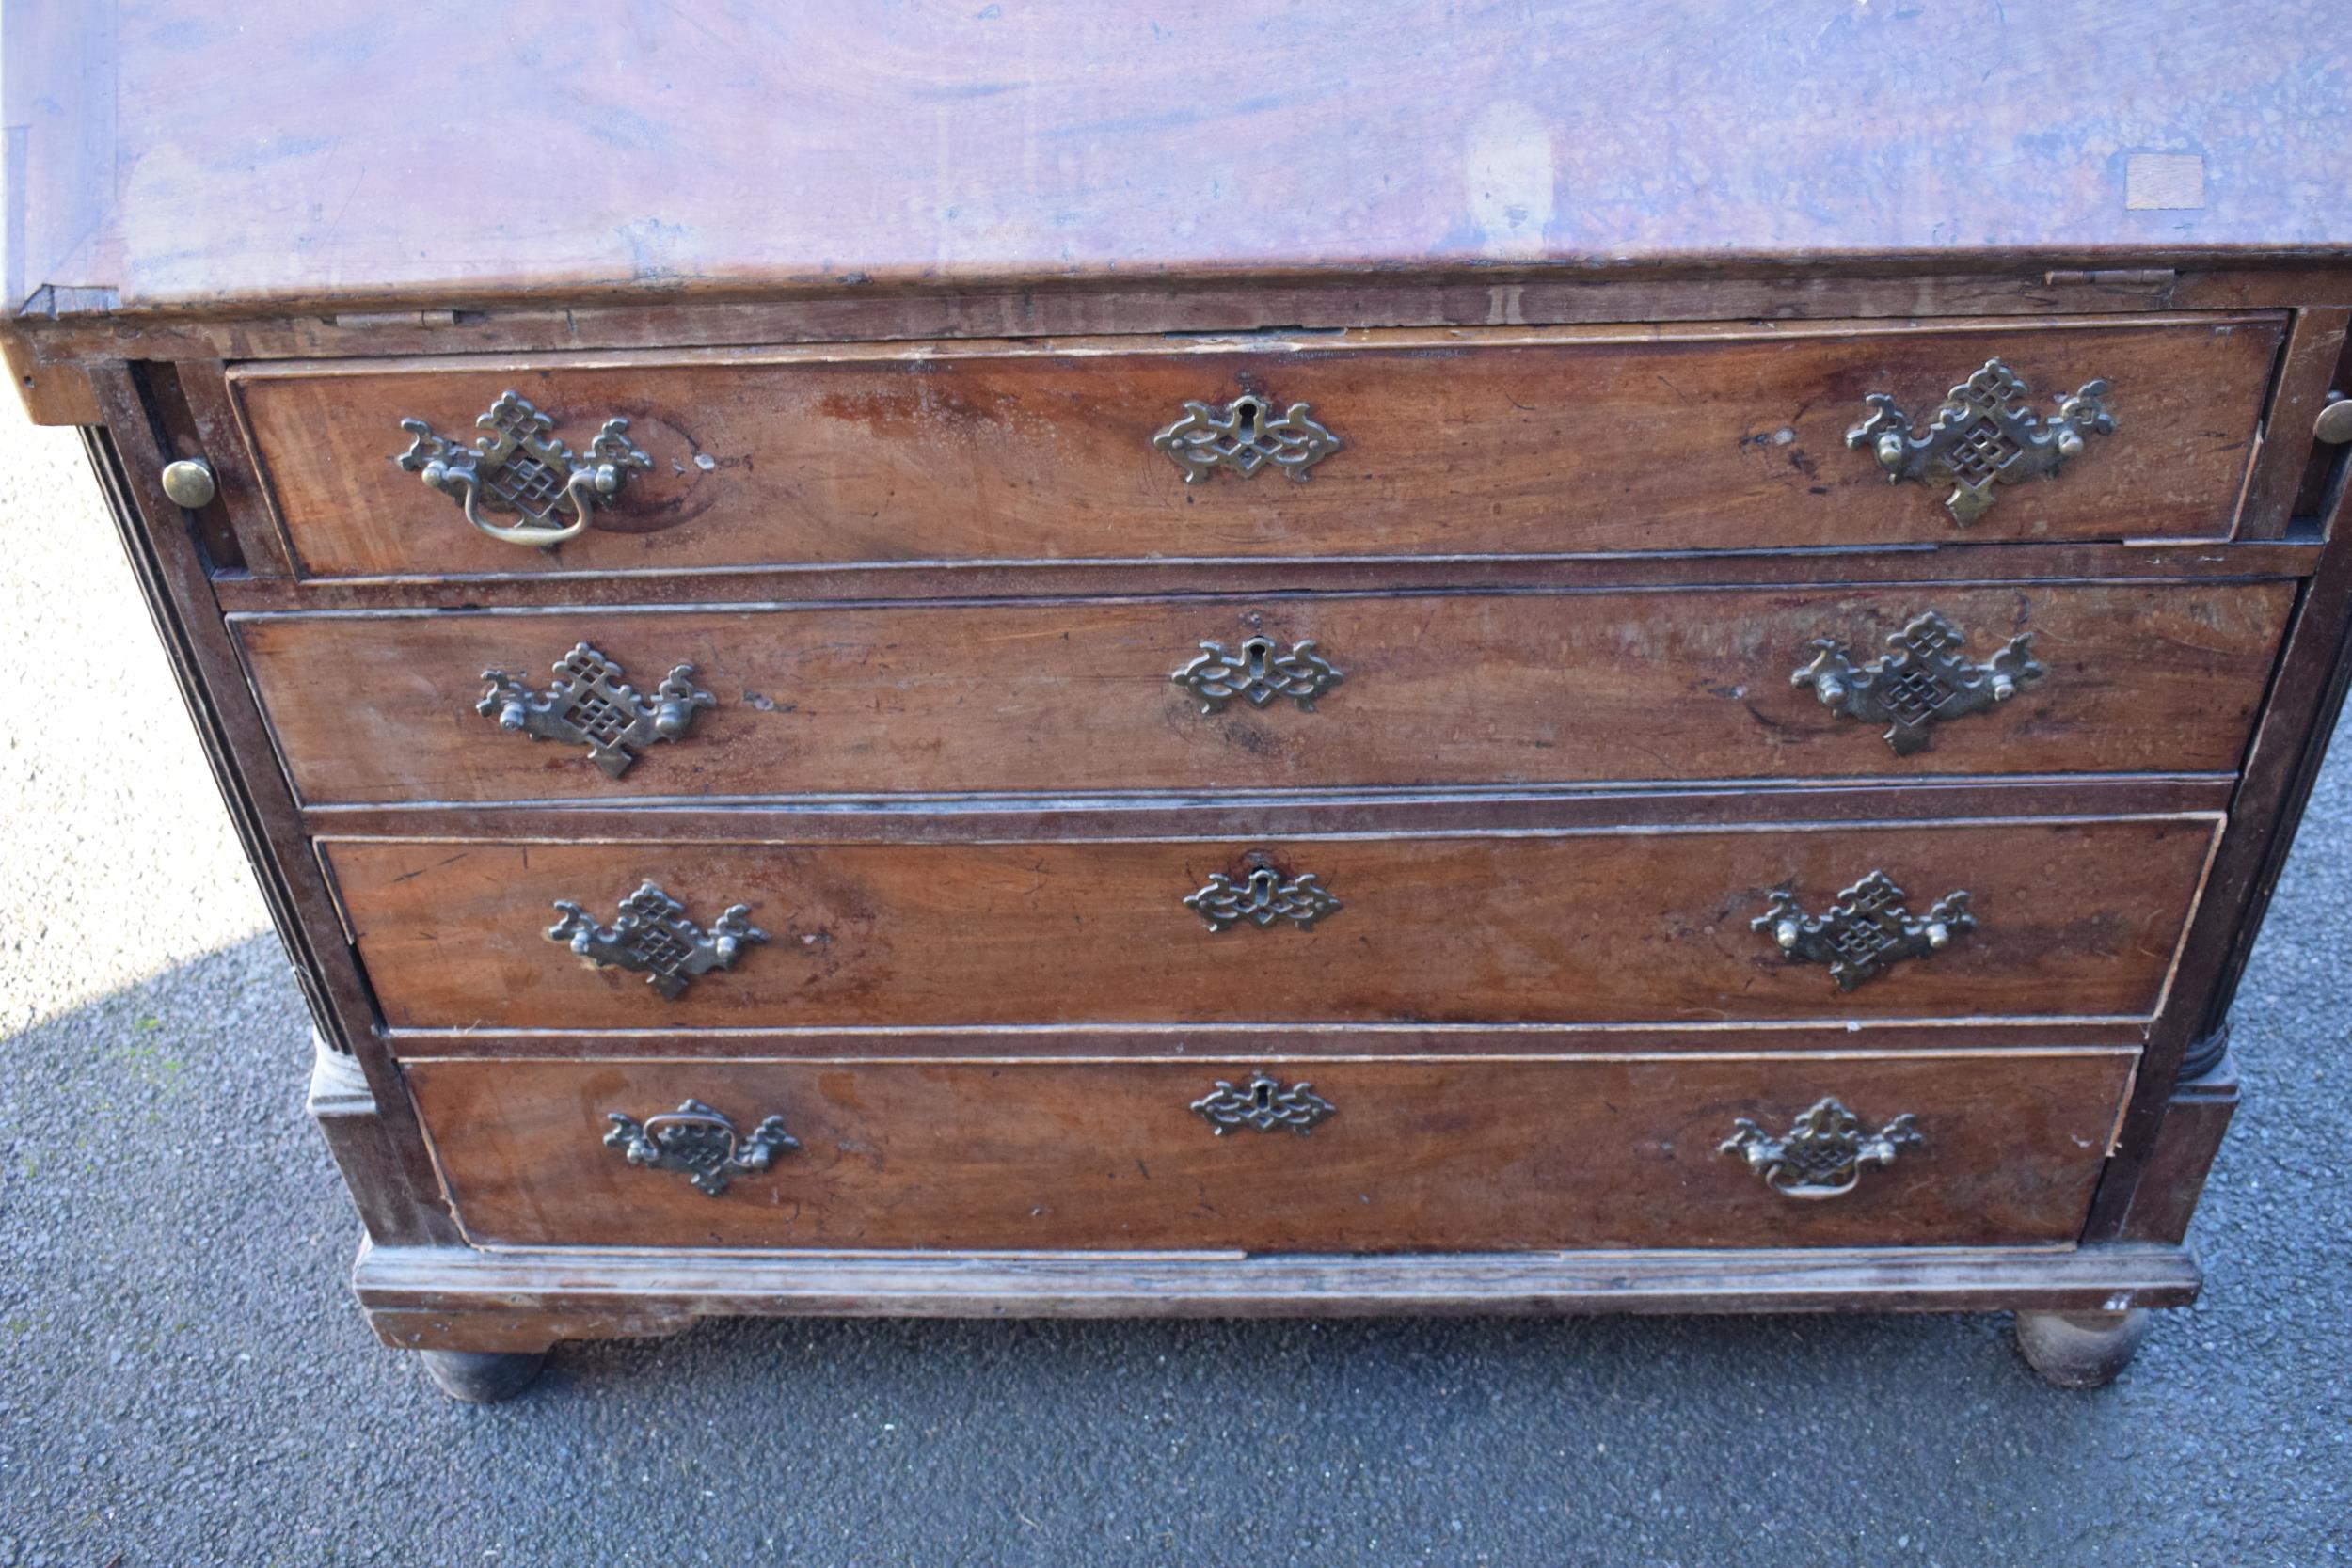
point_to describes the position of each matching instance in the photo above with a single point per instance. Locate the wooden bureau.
(965, 670)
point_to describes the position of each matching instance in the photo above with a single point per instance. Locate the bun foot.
(2080, 1349)
(483, 1377)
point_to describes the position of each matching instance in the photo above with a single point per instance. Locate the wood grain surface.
(511, 1299)
(1557, 553)
(1454, 689)
(2076, 918)
(1506, 443)
(183, 158)
(1440, 1156)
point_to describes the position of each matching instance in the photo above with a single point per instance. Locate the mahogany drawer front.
(1468, 688)
(1427, 1155)
(1492, 442)
(2073, 917)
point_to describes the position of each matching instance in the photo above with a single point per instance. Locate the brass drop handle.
(518, 466)
(1263, 1106)
(1244, 437)
(1981, 437)
(1823, 1152)
(1924, 679)
(1866, 932)
(699, 1141)
(652, 937)
(1257, 673)
(591, 705)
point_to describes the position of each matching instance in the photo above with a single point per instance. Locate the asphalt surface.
(184, 1379)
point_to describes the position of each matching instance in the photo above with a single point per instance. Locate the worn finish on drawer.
(1507, 442)
(1445, 1155)
(2079, 918)
(1452, 689)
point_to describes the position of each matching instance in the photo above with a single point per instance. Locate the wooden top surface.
(259, 156)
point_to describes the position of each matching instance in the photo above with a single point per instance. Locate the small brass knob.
(189, 483)
(2334, 424)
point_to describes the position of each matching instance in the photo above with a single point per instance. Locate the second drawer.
(1325, 691)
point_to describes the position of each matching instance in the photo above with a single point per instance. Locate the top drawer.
(1506, 442)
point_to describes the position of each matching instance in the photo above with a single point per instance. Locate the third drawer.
(1697, 925)
(1366, 690)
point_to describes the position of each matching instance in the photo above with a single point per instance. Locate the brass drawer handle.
(1262, 898)
(517, 465)
(699, 1141)
(1264, 1105)
(652, 937)
(1244, 435)
(1866, 932)
(1822, 1154)
(1258, 674)
(590, 705)
(1923, 680)
(1981, 437)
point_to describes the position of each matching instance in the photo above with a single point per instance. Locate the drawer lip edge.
(722, 358)
(1214, 833)
(2156, 560)
(376, 820)
(1212, 1061)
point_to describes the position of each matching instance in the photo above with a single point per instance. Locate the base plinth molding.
(455, 1298)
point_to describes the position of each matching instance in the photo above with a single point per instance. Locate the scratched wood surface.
(1442, 1156)
(519, 1299)
(188, 156)
(1452, 689)
(1461, 443)
(2077, 918)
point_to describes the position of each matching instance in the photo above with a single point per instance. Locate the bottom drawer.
(2002, 1148)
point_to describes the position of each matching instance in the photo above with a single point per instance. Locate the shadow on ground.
(183, 1378)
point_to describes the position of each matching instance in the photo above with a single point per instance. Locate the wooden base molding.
(455, 1298)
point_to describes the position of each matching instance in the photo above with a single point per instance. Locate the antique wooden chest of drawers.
(927, 665)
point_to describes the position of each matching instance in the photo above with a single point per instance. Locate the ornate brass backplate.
(1244, 435)
(1924, 679)
(699, 1141)
(1264, 1105)
(1822, 1153)
(590, 704)
(652, 937)
(517, 465)
(1981, 437)
(1866, 932)
(1258, 674)
(1262, 898)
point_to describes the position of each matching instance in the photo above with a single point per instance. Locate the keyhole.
(1263, 1094)
(1247, 425)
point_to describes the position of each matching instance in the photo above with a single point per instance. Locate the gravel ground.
(185, 1381)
